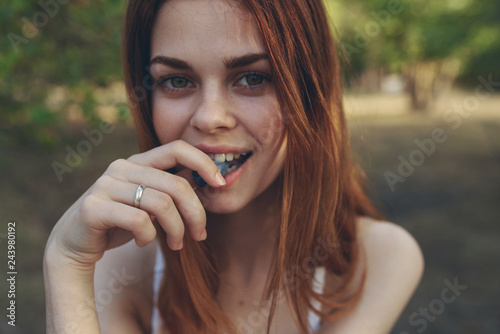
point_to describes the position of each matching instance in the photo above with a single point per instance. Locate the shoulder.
(389, 247)
(393, 263)
(123, 287)
(394, 267)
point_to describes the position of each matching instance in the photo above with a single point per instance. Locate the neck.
(248, 236)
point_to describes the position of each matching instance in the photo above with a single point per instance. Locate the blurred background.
(422, 82)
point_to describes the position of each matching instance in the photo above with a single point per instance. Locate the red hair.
(322, 190)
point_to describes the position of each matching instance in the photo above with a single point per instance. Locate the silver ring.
(138, 195)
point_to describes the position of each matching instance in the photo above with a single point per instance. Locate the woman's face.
(215, 89)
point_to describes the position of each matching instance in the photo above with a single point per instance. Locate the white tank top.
(156, 322)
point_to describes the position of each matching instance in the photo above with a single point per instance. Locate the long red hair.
(322, 190)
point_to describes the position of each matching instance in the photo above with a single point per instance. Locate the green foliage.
(75, 45)
(391, 34)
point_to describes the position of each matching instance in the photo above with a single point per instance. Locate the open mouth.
(227, 163)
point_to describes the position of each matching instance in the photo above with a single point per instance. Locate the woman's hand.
(105, 216)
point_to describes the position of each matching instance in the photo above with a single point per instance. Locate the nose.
(213, 112)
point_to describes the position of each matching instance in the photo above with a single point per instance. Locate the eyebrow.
(230, 63)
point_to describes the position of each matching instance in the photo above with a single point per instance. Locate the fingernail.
(220, 179)
(179, 246)
(203, 235)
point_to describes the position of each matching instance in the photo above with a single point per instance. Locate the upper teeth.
(225, 156)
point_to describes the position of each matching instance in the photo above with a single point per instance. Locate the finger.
(165, 185)
(163, 208)
(177, 153)
(187, 174)
(103, 215)
(154, 202)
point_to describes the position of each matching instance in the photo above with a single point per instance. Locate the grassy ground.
(449, 203)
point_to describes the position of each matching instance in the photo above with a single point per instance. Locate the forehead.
(210, 27)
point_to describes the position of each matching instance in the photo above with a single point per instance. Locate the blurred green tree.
(430, 42)
(54, 53)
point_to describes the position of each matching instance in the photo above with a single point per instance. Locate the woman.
(285, 242)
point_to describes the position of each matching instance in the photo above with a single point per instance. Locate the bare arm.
(116, 297)
(69, 295)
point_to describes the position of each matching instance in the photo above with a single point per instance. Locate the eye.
(179, 82)
(254, 80)
(174, 84)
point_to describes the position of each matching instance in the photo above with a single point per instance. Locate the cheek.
(169, 120)
(270, 128)
(264, 120)
(272, 133)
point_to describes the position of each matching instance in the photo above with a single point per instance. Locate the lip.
(232, 177)
(221, 149)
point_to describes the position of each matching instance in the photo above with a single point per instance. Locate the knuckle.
(104, 182)
(164, 203)
(179, 142)
(140, 219)
(181, 185)
(179, 145)
(134, 157)
(116, 166)
(88, 206)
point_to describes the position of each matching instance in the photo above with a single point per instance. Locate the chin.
(254, 201)
(221, 206)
